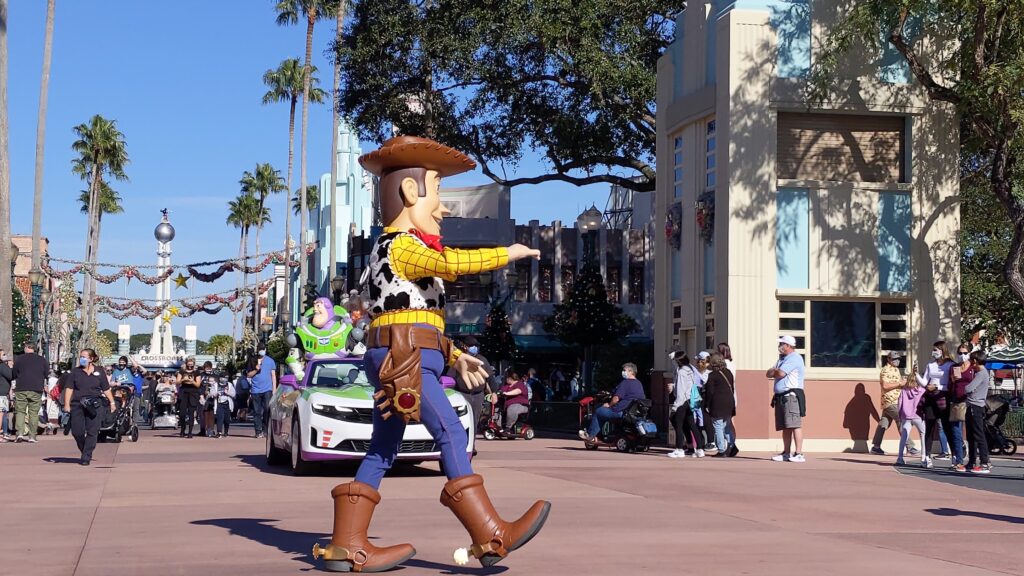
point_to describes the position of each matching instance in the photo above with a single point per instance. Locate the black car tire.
(300, 467)
(275, 456)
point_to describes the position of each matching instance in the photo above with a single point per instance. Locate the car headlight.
(462, 410)
(331, 411)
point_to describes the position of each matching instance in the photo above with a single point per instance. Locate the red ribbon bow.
(433, 241)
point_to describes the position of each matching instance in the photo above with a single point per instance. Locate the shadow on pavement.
(299, 545)
(955, 512)
(340, 469)
(262, 531)
(868, 462)
(61, 460)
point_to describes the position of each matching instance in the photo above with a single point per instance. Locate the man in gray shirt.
(977, 393)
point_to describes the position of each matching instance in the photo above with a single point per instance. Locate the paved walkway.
(209, 507)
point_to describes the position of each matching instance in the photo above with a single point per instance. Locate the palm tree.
(289, 12)
(242, 214)
(44, 89)
(101, 152)
(6, 305)
(110, 202)
(333, 184)
(285, 85)
(312, 199)
(261, 183)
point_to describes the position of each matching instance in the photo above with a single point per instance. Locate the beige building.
(835, 224)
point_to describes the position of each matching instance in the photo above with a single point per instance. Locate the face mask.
(83, 362)
(782, 350)
(624, 375)
(936, 354)
(474, 350)
(190, 367)
(965, 357)
(895, 363)
(122, 366)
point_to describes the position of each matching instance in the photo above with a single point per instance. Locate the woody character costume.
(406, 353)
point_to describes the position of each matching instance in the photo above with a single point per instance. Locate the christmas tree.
(22, 323)
(497, 343)
(586, 318)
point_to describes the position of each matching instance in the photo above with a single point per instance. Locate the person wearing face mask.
(891, 381)
(208, 391)
(961, 375)
(684, 386)
(474, 395)
(628, 390)
(189, 391)
(934, 407)
(122, 374)
(83, 389)
(6, 375)
(788, 399)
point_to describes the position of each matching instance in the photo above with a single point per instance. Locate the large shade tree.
(979, 72)
(102, 154)
(574, 80)
(285, 84)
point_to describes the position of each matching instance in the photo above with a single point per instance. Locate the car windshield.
(337, 374)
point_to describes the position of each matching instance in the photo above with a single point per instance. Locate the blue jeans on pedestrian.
(943, 441)
(260, 403)
(602, 415)
(436, 413)
(725, 434)
(958, 442)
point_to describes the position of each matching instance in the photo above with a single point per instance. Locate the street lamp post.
(36, 277)
(337, 289)
(266, 327)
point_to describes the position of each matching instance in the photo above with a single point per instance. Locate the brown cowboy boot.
(350, 550)
(493, 538)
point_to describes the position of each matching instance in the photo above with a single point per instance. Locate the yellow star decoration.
(173, 311)
(181, 281)
(167, 317)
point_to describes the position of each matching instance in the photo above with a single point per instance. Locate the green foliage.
(277, 348)
(572, 79)
(244, 212)
(497, 343)
(312, 199)
(970, 54)
(22, 320)
(220, 346)
(285, 84)
(260, 184)
(100, 147)
(586, 317)
(110, 200)
(109, 338)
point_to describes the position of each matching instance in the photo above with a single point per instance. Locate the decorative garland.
(674, 225)
(706, 216)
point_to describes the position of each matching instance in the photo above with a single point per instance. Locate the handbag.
(958, 413)
(90, 406)
(5, 404)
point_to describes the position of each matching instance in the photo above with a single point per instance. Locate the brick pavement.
(173, 506)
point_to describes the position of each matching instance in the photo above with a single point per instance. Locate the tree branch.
(979, 38)
(645, 185)
(935, 90)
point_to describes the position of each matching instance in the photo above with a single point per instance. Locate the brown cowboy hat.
(415, 152)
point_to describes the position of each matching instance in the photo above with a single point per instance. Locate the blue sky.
(184, 82)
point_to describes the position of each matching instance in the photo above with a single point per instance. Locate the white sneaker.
(583, 435)
(926, 463)
(676, 454)
(797, 458)
(780, 458)
(698, 454)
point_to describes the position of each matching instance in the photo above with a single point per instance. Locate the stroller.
(996, 410)
(164, 411)
(633, 433)
(121, 422)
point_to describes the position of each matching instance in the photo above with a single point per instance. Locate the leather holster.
(400, 377)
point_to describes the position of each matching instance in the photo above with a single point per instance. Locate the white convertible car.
(329, 414)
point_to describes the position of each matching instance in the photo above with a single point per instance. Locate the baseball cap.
(787, 340)
(703, 355)
(894, 354)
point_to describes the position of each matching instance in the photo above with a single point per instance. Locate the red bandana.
(432, 241)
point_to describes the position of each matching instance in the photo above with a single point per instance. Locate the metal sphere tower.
(161, 342)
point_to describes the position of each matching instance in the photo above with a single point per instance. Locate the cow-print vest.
(389, 292)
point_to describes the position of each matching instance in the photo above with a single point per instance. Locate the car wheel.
(489, 434)
(299, 466)
(529, 434)
(275, 456)
(622, 445)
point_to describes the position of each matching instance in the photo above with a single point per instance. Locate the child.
(910, 398)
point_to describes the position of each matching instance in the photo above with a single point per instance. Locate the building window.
(522, 281)
(613, 284)
(894, 217)
(845, 334)
(709, 323)
(677, 172)
(568, 277)
(709, 158)
(546, 278)
(841, 147)
(470, 288)
(636, 284)
(792, 239)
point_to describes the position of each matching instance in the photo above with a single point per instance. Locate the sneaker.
(943, 456)
(980, 470)
(877, 451)
(583, 435)
(900, 462)
(698, 454)
(797, 458)
(987, 467)
(733, 451)
(926, 462)
(959, 468)
(914, 451)
(780, 458)
(676, 454)
(30, 439)
(20, 439)
(710, 446)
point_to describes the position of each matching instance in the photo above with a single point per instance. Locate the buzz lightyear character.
(324, 334)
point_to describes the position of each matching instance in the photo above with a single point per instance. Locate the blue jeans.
(725, 434)
(958, 442)
(260, 414)
(602, 415)
(436, 413)
(943, 441)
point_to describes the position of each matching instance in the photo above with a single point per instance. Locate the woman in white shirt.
(936, 378)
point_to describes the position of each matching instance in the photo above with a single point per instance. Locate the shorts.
(787, 413)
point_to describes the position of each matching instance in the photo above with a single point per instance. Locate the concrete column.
(556, 268)
(534, 264)
(624, 267)
(602, 249)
